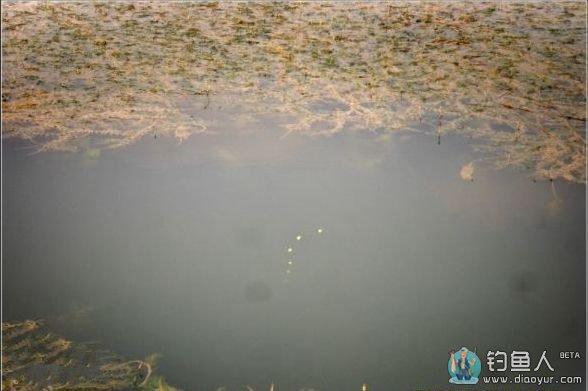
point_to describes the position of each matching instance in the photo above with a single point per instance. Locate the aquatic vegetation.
(34, 358)
(467, 172)
(510, 76)
(553, 207)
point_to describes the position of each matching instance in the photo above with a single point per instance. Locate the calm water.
(181, 249)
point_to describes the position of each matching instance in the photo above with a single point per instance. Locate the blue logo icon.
(464, 367)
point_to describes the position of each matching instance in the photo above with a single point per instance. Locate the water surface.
(182, 249)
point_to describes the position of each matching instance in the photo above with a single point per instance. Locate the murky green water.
(273, 205)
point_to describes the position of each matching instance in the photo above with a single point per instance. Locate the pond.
(260, 213)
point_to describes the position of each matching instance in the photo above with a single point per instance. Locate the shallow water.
(181, 249)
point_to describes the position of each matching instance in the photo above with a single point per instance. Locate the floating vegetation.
(35, 359)
(510, 76)
(467, 172)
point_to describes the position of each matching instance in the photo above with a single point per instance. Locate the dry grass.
(510, 76)
(35, 359)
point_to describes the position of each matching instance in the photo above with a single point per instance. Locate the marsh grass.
(118, 71)
(33, 358)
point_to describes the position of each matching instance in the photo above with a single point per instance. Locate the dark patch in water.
(523, 284)
(258, 291)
